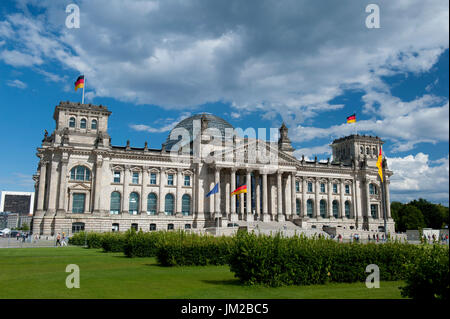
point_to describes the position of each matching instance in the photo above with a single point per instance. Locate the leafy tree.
(411, 217)
(395, 208)
(25, 227)
(434, 216)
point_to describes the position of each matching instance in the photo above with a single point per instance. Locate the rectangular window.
(347, 189)
(116, 177)
(322, 188)
(135, 179)
(187, 181)
(152, 178)
(310, 188)
(335, 188)
(170, 179)
(374, 211)
(297, 186)
(78, 203)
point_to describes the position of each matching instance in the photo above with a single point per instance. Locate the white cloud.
(311, 152)
(415, 176)
(17, 84)
(167, 126)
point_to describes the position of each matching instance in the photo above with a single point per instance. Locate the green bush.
(140, 244)
(193, 249)
(428, 277)
(114, 242)
(77, 239)
(276, 261)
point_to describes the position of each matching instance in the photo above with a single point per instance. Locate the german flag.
(351, 118)
(380, 164)
(240, 190)
(79, 83)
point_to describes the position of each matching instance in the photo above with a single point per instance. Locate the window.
(77, 227)
(297, 206)
(374, 211)
(372, 189)
(170, 227)
(134, 226)
(335, 188)
(322, 187)
(116, 177)
(94, 124)
(152, 227)
(152, 178)
(335, 208)
(347, 209)
(187, 226)
(309, 208)
(367, 151)
(168, 209)
(374, 151)
(135, 178)
(83, 123)
(186, 205)
(310, 187)
(115, 203)
(187, 180)
(80, 173)
(72, 122)
(170, 179)
(78, 203)
(115, 228)
(134, 203)
(361, 150)
(323, 208)
(151, 204)
(297, 186)
(347, 189)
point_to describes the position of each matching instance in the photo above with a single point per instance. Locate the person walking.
(58, 240)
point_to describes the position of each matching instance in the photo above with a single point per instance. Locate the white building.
(84, 182)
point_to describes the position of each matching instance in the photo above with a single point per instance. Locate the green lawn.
(40, 273)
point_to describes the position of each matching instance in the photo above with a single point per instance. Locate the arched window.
(83, 123)
(94, 124)
(361, 150)
(323, 208)
(168, 207)
(310, 207)
(372, 189)
(186, 205)
(335, 208)
(367, 151)
(187, 226)
(80, 173)
(72, 122)
(134, 203)
(297, 206)
(77, 227)
(115, 203)
(347, 209)
(151, 204)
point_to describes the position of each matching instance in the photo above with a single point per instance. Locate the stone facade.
(84, 182)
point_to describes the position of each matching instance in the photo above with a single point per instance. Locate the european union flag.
(214, 190)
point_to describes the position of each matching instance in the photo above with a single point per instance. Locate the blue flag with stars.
(214, 190)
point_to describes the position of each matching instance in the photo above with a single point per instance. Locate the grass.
(40, 273)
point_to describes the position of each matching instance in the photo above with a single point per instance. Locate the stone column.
(316, 200)
(258, 195)
(293, 196)
(98, 184)
(62, 185)
(249, 195)
(287, 196)
(217, 195)
(227, 196)
(145, 182)
(233, 215)
(126, 195)
(341, 200)
(356, 213)
(161, 193)
(52, 191)
(280, 216)
(179, 184)
(330, 200)
(241, 200)
(388, 197)
(265, 215)
(42, 181)
(304, 207)
(366, 184)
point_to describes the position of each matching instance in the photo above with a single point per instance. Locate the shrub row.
(110, 242)
(276, 261)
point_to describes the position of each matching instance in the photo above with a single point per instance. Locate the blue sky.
(253, 63)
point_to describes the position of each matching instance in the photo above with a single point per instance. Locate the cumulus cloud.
(311, 152)
(416, 176)
(17, 84)
(168, 124)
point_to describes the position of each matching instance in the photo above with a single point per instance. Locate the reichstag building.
(83, 182)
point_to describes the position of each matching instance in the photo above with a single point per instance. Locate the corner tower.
(359, 148)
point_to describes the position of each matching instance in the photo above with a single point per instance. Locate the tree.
(395, 209)
(433, 215)
(411, 217)
(25, 227)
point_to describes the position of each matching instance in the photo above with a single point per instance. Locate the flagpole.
(82, 99)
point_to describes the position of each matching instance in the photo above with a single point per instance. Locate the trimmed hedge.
(428, 277)
(114, 242)
(277, 261)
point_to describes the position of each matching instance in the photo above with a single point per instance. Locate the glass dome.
(188, 124)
